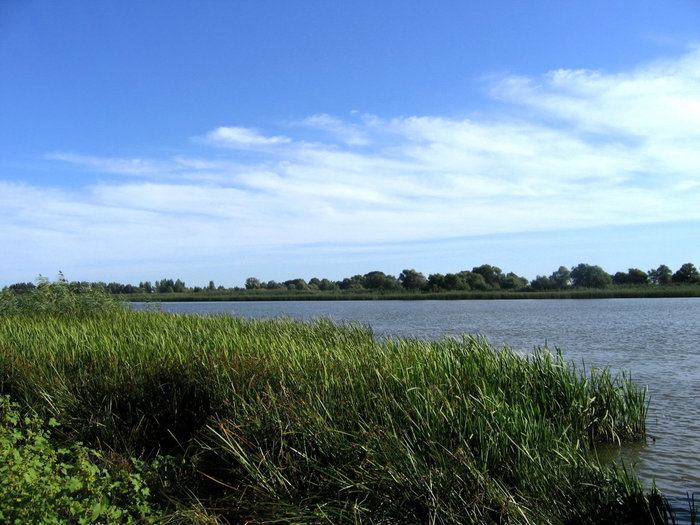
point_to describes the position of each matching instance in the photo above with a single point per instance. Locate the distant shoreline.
(274, 295)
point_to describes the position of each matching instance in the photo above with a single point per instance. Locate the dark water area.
(658, 340)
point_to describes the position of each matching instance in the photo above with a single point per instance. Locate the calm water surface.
(657, 339)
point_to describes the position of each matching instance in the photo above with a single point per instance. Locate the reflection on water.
(657, 339)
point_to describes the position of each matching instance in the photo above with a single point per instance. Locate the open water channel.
(658, 340)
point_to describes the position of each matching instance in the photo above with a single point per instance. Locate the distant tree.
(327, 285)
(252, 283)
(491, 274)
(687, 274)
(146, 286)
(637, 276)
(114, 288)
(211, 286)
(561, 278)
(179, 286)
(436, 282)
(661, 276)
(475, 281)
(315, 283)
(542, 283)
(512, 281)
(377, 280)
(590, 276)
(20, 288)
(296, 284)
(165, 286)
(352, 283)
(412, 280)
(453, 281)
(620, 278)
(273, 285)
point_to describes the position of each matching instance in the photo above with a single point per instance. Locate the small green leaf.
(98, 509)
(74, 484)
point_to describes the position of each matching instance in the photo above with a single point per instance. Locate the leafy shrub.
(42, 484)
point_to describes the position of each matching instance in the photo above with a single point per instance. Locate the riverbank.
(315, 295)
(314, 422)
(630, 292)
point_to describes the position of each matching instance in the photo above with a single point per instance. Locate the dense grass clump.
(294, 422)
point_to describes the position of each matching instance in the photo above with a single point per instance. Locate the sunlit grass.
(310, 422)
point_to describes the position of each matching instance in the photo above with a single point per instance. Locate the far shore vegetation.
(481, 282)
(109, 415)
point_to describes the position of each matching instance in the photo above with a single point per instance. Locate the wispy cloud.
(569, 149)
(349, 133)
(240, 138)
(136, 167)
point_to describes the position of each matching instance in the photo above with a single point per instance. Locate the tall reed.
(311, 422)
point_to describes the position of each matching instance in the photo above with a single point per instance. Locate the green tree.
(252, 283)
(165, 286)
(687, 274)
(561, 278)
(491, 274)
(327, 285)
(512, 281)
(179, 286)
(542, 283)
(412, 280)
(22, 287)
(661, 276)
(637, 276)
(380, 281)
(436, 282)
(352, 283)
(454, 281)
(475, 281)
(296, 284)
(590, 276)
(620, 278)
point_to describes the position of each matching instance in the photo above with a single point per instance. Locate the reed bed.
(282, 421)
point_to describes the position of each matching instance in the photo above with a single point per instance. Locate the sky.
(223, 140)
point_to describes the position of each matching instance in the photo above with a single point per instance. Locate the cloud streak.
(240, 138)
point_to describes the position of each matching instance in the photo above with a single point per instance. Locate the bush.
(42, 484)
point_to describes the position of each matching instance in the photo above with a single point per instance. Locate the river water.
(658, 340)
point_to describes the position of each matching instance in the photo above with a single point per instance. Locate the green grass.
(281, 421)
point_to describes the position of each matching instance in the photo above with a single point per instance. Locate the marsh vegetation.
(275, 420)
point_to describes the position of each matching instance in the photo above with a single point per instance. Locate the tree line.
(480, 278)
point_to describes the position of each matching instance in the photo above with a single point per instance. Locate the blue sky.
(222, 140)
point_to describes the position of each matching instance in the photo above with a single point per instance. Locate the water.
(657, 339)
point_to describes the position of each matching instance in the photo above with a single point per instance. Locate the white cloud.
(580, 149)
(242, 138)
(350, 134)
(658, 101)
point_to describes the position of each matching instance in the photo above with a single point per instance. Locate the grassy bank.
(283, 421)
